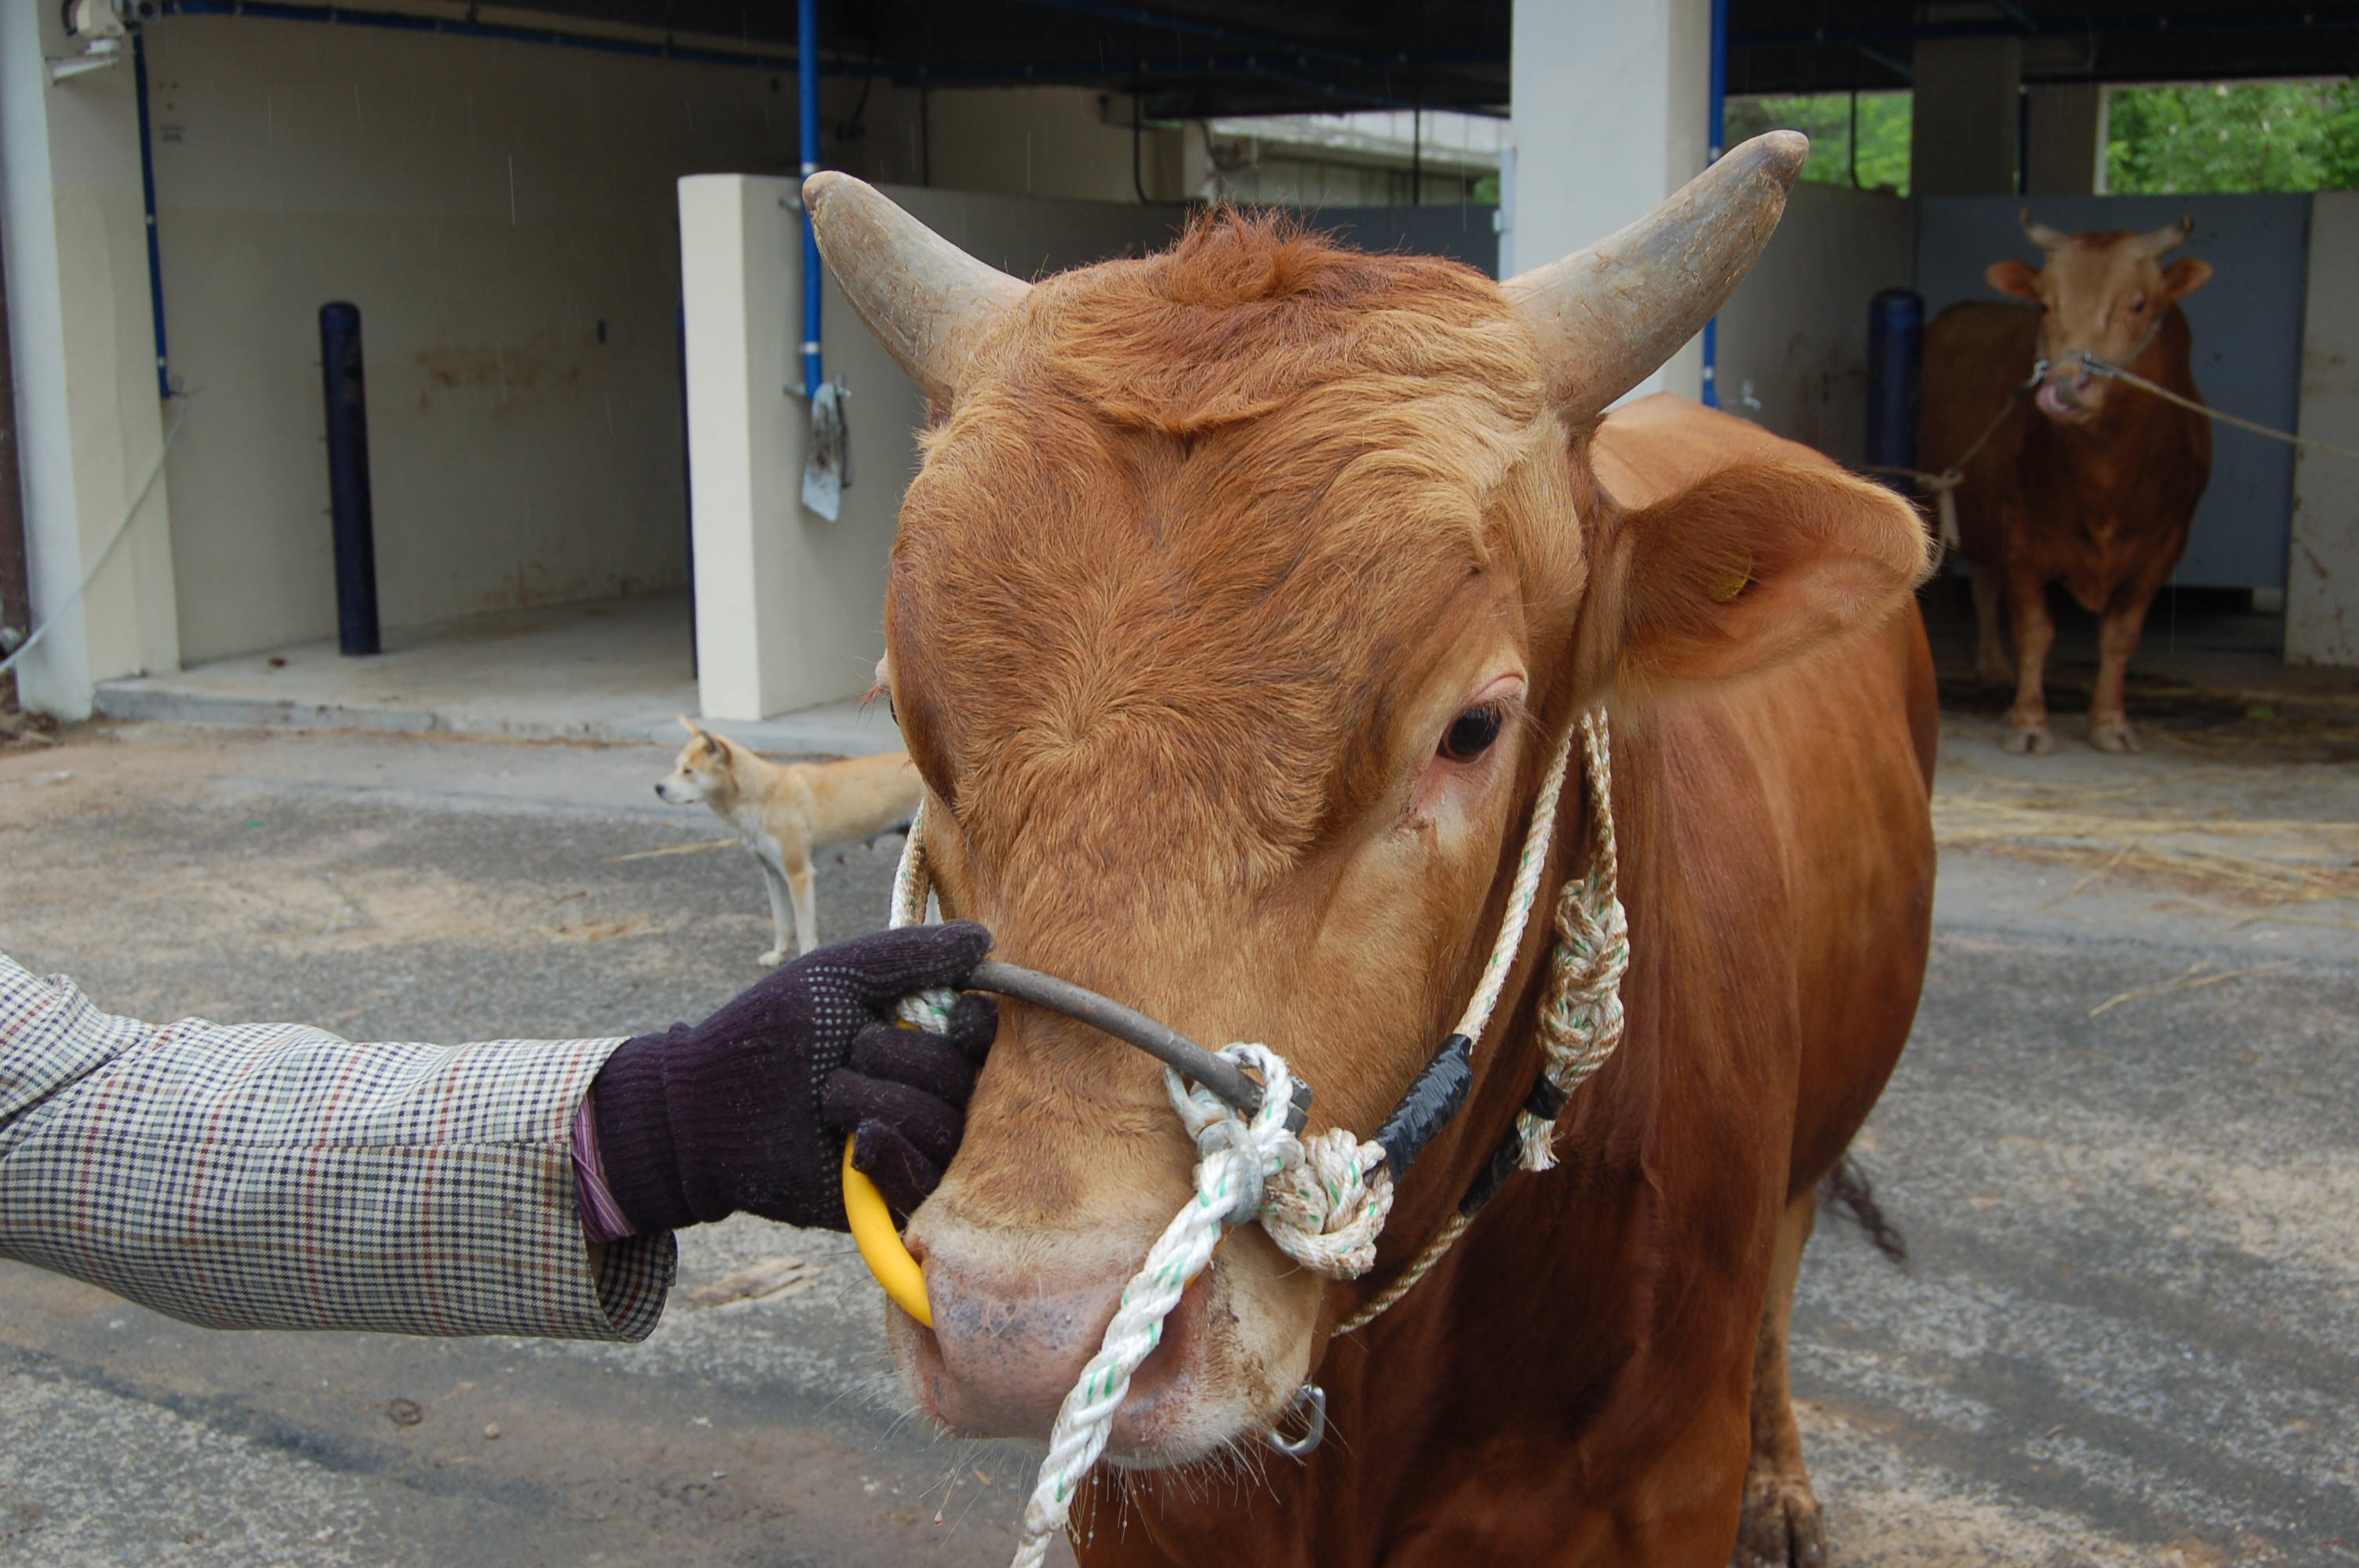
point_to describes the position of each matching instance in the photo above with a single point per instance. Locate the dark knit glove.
(747, 1110)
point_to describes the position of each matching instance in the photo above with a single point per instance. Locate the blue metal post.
(348, 478)
(807, 102)
(1718, 110)
(1895, 354)
(147, 193)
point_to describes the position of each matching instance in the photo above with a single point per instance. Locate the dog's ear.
(696, 731)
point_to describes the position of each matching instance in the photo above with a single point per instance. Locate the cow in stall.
(2094, 483)
(1244, 593)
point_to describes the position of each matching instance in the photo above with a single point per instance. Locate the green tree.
(1880, 157)
(2232, 137)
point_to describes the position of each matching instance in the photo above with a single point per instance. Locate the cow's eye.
(2138, 304)
(1472, 733)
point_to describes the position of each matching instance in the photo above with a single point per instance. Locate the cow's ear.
(2016, 277)
(2181, 278)
(1755, 565)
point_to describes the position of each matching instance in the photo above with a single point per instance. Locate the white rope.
(928, 1010)
(1322, 1199)
(1521, 894)
(2123, 373)
(1245, 1168)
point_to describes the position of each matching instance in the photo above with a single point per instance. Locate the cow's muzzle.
(1002, 1353)
(2065, 394)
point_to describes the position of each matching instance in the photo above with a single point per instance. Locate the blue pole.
(807, 101)
(1896, 353)
(348, 478)
(147, 195)
(1717, 111)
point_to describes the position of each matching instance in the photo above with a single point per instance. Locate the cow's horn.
(2041, 234)
(1608, 315)
(2168, 238)
(927, 301)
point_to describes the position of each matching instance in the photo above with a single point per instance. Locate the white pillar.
(2067, 153)
(790, 606)
(88, 421)
(1608, 117)
(1965, 114)
(2323, 560)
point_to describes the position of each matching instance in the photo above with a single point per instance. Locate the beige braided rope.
(1580, 1017)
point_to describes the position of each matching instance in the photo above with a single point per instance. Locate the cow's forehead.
(1195, 522)
(2100, 262)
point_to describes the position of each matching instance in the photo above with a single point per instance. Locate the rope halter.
(1321, 1199)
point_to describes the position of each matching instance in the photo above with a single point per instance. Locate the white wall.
(1609, 118)
(491, 207)
(1795, 332)
(2323, 564)
(790, 606)
(83, 353)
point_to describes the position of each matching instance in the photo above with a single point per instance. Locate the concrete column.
(1965, 113)
(2323, 554)
(83, 354)
(769, 611)
(1609, 117)
(2067, 155)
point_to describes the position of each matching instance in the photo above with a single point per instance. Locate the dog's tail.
(1848, 1194)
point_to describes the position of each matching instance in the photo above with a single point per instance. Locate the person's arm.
(276, 1176)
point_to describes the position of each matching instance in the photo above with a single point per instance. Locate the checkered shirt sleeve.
(272, 1175)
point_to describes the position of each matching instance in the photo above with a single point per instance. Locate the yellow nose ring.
(880, 1243)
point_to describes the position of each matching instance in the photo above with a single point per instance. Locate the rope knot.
(1321, 1199)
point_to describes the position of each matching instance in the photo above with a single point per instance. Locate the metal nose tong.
(1161, 1041)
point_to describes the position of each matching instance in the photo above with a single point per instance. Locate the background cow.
(1241, 598)
(2094, 484)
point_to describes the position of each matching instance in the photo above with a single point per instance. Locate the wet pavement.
(2121, 1147)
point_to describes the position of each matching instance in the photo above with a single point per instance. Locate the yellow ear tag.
(880, 1243)
(1730, 585)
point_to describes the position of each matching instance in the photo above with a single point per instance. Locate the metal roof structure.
(1202, 58)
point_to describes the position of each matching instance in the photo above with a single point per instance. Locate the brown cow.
(1243, 594)
(2097, 488)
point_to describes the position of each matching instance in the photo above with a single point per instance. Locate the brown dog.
(785, 811)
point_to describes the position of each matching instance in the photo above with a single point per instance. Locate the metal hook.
(1311, 1400)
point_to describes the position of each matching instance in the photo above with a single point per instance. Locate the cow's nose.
(1007, 1346)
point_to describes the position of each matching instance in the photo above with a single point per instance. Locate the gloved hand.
(746, 1109)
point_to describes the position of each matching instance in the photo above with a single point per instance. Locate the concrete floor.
(2120, 1147)
(615, 669)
